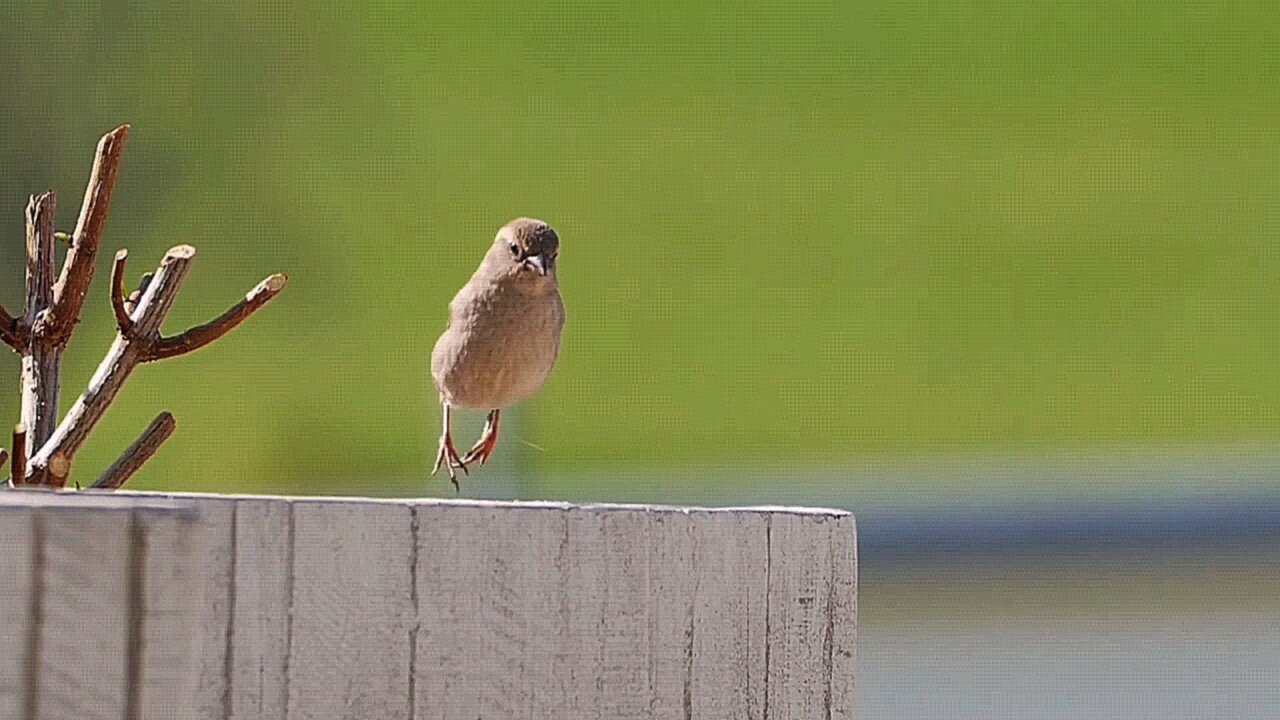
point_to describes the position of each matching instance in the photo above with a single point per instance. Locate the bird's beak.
(539, 263)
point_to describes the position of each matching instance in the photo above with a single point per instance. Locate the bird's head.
(525, 250)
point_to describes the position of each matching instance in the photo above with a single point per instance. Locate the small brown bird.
(503, 336)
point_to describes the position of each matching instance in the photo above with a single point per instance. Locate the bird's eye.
(515, 249)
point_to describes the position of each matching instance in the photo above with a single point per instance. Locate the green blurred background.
(793, 234)
(864, 254)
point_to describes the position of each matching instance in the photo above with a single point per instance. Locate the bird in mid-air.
(503, 336)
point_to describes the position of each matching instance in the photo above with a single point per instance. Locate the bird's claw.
(448, 457)
(482, 451)
(488, 442)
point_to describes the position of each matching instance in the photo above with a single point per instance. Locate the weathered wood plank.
(729, 621)
(485, 582)
(516, 613)
(579, 657)
(213, 689)
(428, 609)
(261, 600)
(352, 612)
(85, 642)
(19, 596)
(625, 653)
(591, 612)
(446, 670)
(167, 546)
(674, 587)
(844, 613)
(807, 616)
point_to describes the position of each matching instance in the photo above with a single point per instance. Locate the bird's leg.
(448, 454)
(488, 441)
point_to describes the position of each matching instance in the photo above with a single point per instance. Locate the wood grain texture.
(672, 557)
(259, 627)
(104, 628)
(730, 618)
(18, 596)
(438, 610)
(213, 627)
(352, 611)
(843, 649)
(461, 608)
(167, 548)
(84, 639)
(619, 613)
(811, 621)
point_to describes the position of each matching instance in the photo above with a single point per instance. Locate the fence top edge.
(162, 500)
(71, 499)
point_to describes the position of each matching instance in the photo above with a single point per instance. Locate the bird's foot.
(488, 442)
(483, 449)
(448, 457)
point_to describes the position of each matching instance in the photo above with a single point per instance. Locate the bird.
(503, 336)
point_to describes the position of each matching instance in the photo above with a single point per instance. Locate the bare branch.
(18, 463)
(11, 332)
(201, 335)
(123, 321)
(138, 453)
(42, 358)
(44, 450)
(77, 269)
(125, 355)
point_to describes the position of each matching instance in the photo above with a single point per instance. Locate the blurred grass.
(793, 235)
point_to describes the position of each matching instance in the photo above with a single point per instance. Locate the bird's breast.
(498, 349)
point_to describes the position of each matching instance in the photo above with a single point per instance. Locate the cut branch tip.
(201, 335)
(137, 454)
(77, 267)
(275, 283)
(60, 467)
(34, 202)
(179, 252)
(119, 302)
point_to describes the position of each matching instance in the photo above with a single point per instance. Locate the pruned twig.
(138, 453)
(42, 360)
(118, 300)
(18, 463)
(201, 335)
(42, 453)
(140, 341)
(126, 353)
(77, 269)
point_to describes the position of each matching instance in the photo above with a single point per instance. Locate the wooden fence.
(154, 606)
